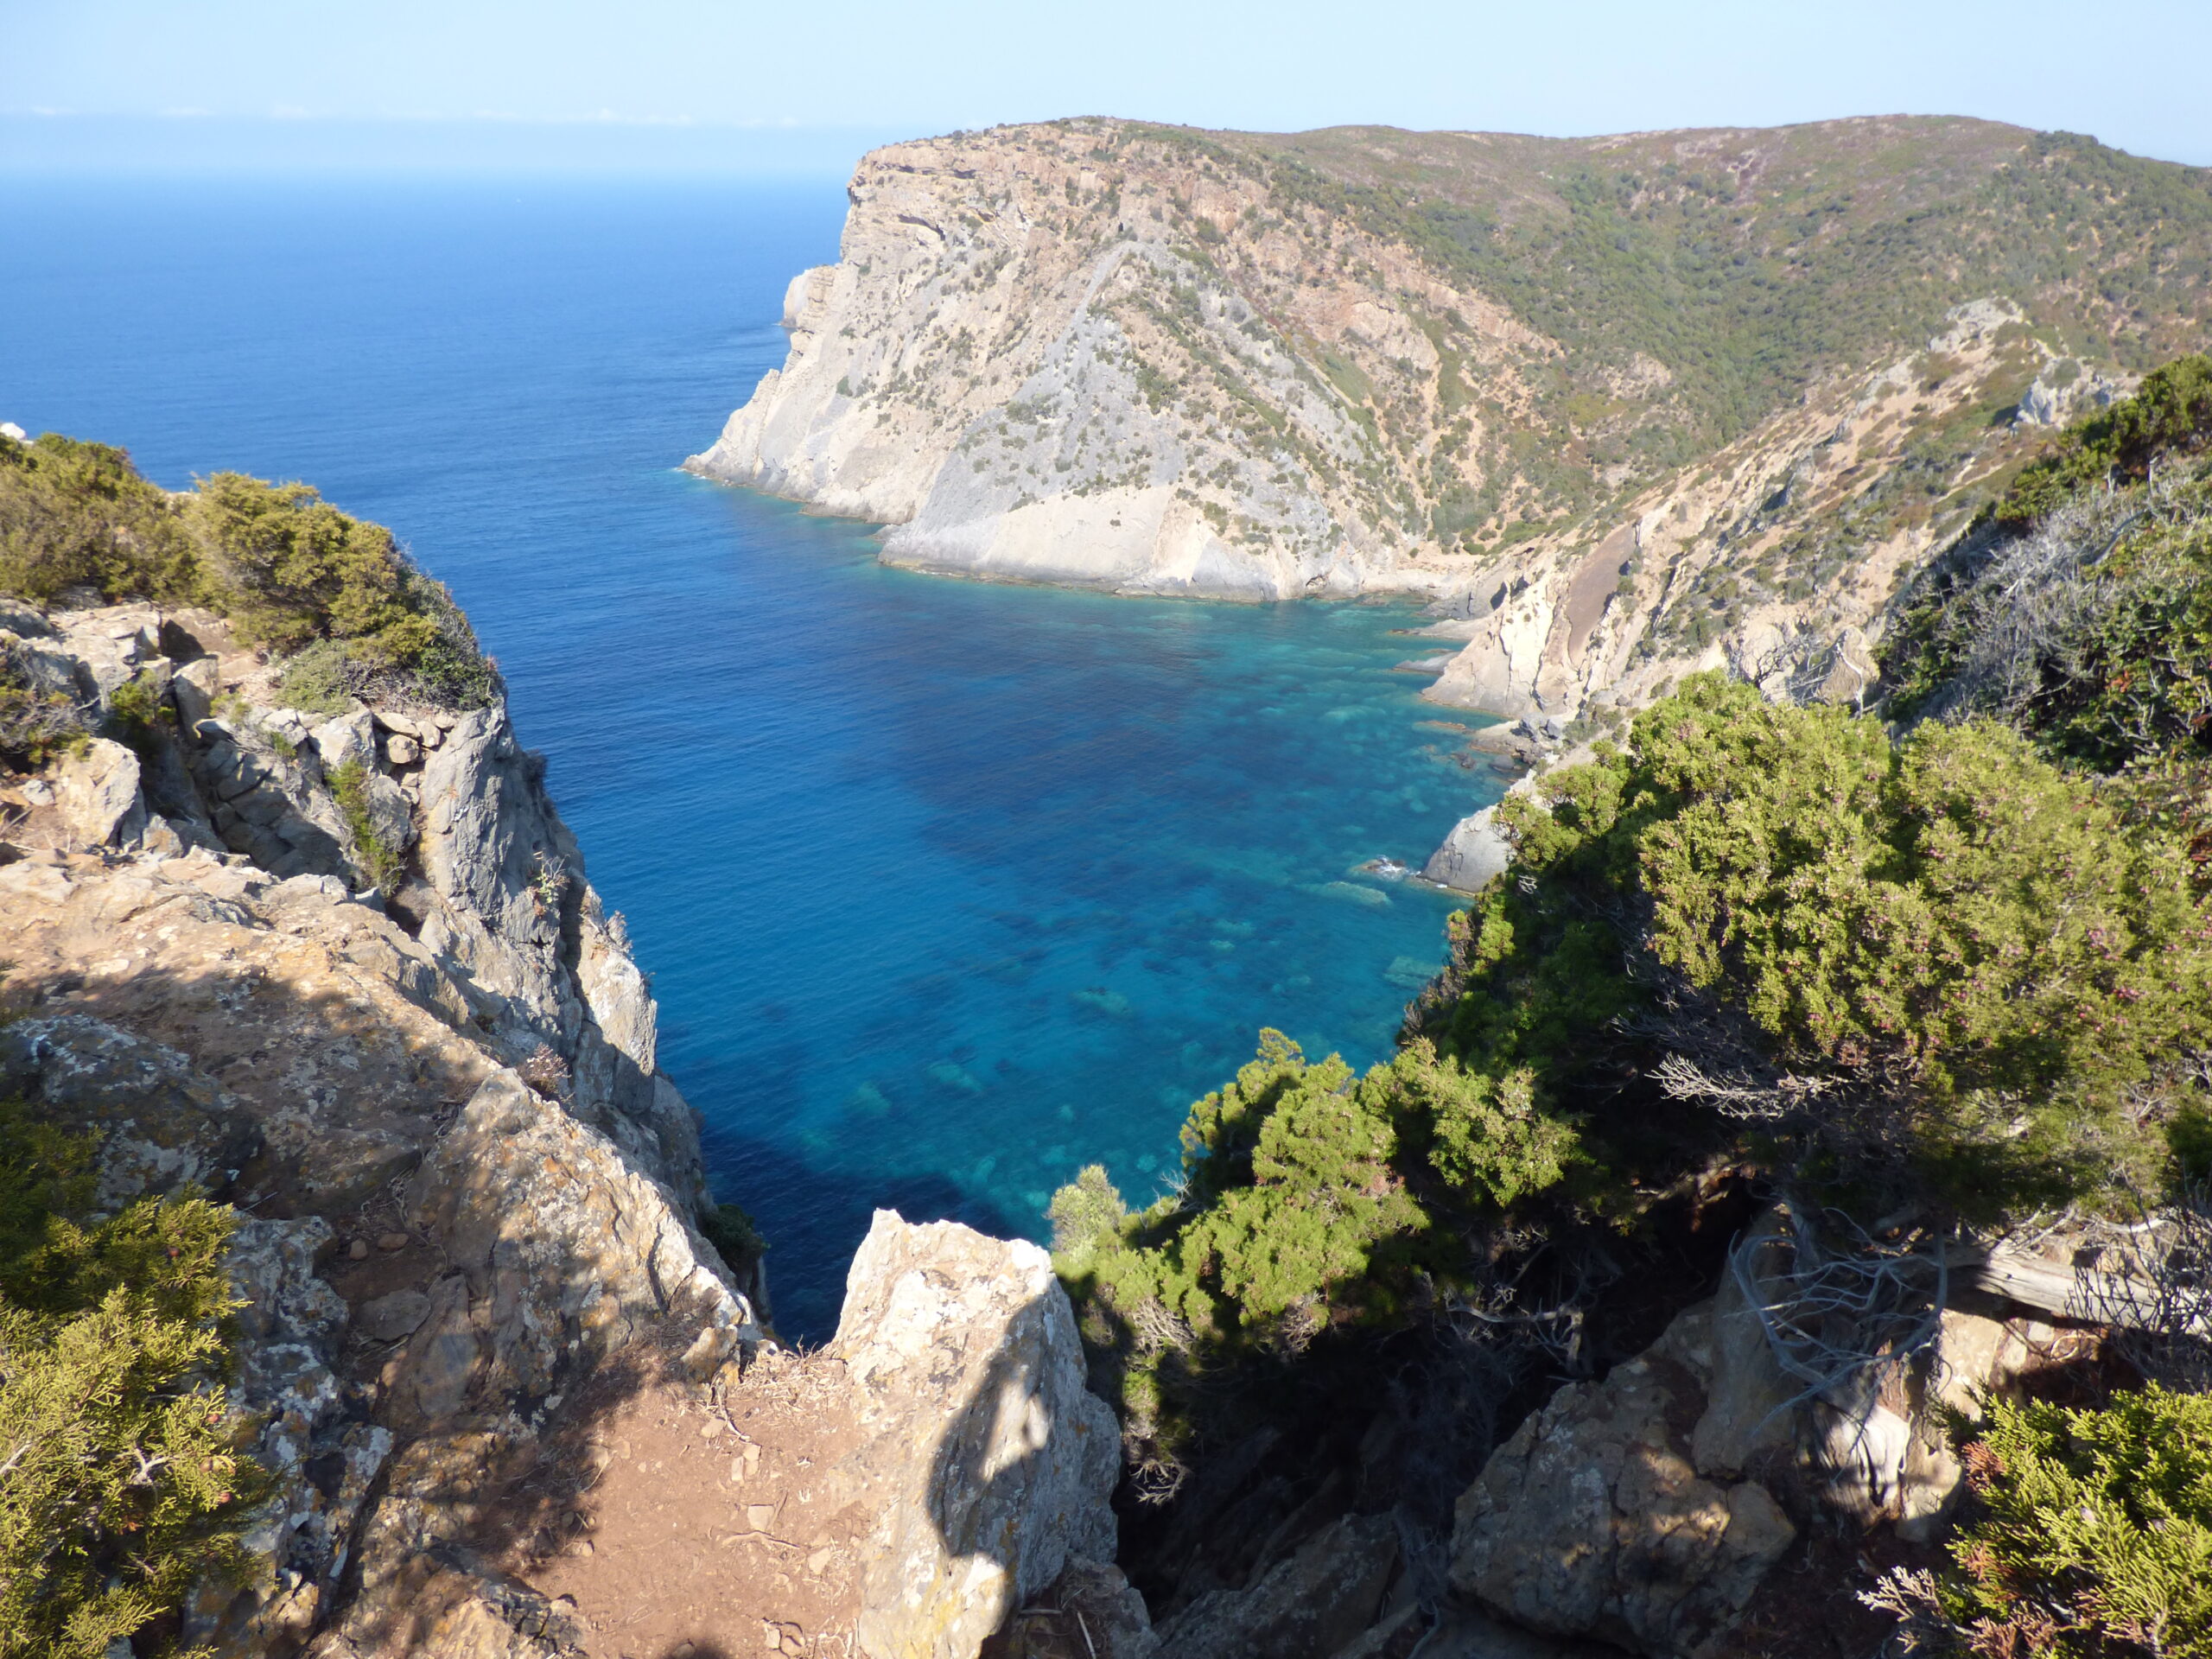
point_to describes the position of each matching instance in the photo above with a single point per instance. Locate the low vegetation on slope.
(2081, 609)
(1750, 264)
(290, 572)
(120, 1487)
(1938, 976)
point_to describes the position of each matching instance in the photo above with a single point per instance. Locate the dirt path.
(713, 1522)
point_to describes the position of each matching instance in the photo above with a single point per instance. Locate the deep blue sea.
(947, 889)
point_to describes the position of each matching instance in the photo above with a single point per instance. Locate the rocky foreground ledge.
(345, 973)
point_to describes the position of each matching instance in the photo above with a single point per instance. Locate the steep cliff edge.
(1626, 406)
(344, 973)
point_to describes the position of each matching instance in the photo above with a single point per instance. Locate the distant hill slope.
(1631, 405)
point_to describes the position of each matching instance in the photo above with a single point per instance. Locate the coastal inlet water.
(947, 889)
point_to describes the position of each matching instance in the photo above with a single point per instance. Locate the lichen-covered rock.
(161, 1125)
(309, 1431)
(562, 1253)
(986, 1461)
(97, 790)
(1592, 1519)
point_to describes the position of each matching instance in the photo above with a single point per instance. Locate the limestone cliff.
(345, 973)
(1623, 406)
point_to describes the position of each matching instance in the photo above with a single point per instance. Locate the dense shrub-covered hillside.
(1916, 978)
(1938, 976)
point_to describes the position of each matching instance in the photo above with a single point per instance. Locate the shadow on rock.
(448, 1281)
(988, 1462)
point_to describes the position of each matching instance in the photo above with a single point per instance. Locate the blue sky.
(723, 85)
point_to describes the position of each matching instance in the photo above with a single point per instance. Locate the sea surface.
(947, 888)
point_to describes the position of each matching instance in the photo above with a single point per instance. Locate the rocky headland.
(1619, 408)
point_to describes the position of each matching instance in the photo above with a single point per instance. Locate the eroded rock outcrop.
(418, 1057)
(988, 1461)
(208, 978)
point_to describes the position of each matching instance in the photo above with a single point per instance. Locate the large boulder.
(1308, 1607)
(986, 1461)
(1474, 851)
(97, 788)
(1594, 1519)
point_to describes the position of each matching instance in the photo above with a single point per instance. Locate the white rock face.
(97, 791)
(1012, 388)
(987, 1462)
(1474, 851)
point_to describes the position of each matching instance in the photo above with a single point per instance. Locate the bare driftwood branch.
(2123, 1300)
(1839, 1309)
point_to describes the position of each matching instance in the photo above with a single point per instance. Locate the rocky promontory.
(1621, 408)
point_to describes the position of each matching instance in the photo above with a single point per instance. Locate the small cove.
(947, 888)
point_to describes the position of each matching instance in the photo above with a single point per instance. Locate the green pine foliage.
(77, 515)
(1957, 957)
(2169, 413)
(123, 1487)
(2089, 1535)
(1312, 1198)
(1952, 976)
(289, 571)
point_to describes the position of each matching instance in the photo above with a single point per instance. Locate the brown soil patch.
(712, 1521)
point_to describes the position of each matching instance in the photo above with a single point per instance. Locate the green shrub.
(76, 515)
(293, 569)
(123, 1487)
(287, 568)
(1939, 965)
(2089, 1535)
(731, 1231)
(384, 865)
(1311, 1198)
(315, 681)
(1937, 973)
(2169, 413)
(34, 725)
(2093, 633)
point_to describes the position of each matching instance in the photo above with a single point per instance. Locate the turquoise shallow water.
(947, 888)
